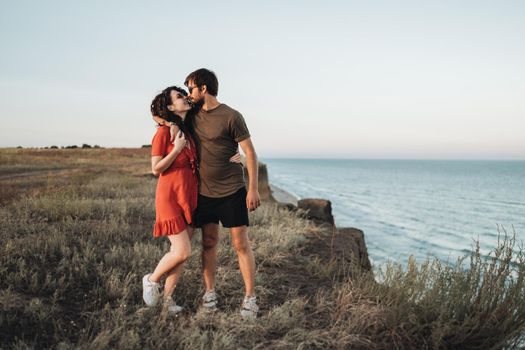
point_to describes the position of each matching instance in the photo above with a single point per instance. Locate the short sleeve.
(159, 144)
(238, 128)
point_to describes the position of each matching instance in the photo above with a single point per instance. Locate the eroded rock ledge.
(345, 243)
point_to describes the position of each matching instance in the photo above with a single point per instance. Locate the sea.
(419, 208)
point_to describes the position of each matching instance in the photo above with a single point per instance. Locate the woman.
(176, 197)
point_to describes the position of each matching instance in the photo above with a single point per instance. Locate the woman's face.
(178, 102)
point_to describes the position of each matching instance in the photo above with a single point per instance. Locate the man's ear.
(204, 88)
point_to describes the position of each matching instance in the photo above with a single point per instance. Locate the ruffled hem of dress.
(169, 227)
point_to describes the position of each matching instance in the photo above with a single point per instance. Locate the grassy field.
(75, 232)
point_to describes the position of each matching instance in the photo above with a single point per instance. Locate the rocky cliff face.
(344, 243)
(264, 184)
(319, 210)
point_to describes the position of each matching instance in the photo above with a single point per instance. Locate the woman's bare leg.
(179, 252)
(174, 274)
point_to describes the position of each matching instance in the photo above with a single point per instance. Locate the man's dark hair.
(202, 77)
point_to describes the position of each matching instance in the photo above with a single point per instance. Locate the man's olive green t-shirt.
(218, 132)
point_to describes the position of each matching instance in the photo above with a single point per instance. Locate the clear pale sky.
(367, 79)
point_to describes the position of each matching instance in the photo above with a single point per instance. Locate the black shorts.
(231, 210)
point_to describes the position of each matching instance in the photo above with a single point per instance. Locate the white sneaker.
(173, 308)
(209, 301)
(150, 291)
(249, 308)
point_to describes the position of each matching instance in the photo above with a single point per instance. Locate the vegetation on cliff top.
(75, 246)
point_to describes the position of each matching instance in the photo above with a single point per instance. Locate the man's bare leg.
(210, 238)
(245, 255)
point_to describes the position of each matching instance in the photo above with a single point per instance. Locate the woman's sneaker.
(249, 308)
(209, 301)
(150, 291)
(172, 307)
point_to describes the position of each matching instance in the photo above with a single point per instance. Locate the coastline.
(331, 242)
(282, 196)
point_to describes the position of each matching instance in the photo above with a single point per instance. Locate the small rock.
(317, 209)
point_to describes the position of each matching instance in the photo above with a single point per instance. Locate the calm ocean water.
(413, 207)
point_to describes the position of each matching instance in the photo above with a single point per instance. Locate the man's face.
(196, 94)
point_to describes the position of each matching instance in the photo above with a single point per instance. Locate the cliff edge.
(332, 243)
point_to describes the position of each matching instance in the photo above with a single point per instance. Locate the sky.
(324, 79)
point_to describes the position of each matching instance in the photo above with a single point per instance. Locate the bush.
(478, 305)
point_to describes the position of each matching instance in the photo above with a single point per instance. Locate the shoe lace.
(209, 297)
(250, 303)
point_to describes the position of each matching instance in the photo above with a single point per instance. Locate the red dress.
(177, 188)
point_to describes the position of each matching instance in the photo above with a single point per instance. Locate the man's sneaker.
(249, 308)
(173, 308)
(209, 301)
(150, 291)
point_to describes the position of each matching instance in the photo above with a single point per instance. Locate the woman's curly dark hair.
(159, 108)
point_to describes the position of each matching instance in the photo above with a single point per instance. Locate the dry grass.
(75, 245)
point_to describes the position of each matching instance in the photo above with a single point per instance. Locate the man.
(223, 196)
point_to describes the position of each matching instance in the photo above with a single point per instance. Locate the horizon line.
(305, 157)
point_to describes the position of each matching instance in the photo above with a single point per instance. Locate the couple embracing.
(195, 154)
